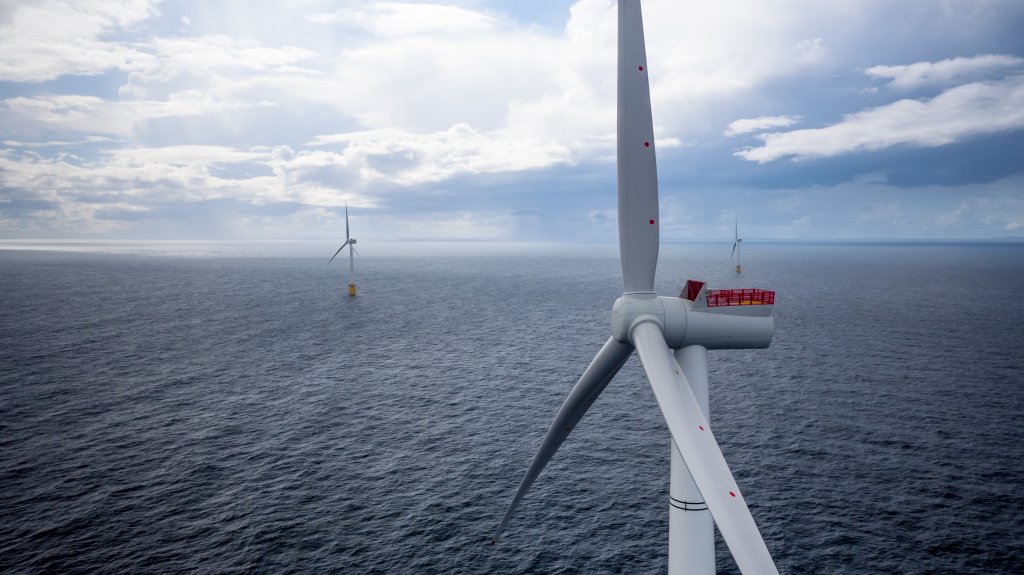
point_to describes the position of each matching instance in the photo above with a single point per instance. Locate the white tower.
(351, 243)
(736, 246)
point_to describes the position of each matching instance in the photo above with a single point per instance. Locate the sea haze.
(174, 408)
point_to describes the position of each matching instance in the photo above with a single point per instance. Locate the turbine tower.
(351, 243)
(672, 336)
(736, 246)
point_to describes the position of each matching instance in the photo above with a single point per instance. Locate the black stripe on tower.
(687, 505)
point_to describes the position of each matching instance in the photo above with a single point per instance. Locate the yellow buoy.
(351, 289)
(737, 269)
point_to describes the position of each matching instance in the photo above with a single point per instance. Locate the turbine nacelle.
(684, 322)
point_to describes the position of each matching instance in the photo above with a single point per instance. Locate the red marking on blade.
(701, 427)
(641, 68)
(733, 494)
(652, 222)
(647, 144)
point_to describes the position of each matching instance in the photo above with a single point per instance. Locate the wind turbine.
(736, 246)
(671, 335)
(351, 243)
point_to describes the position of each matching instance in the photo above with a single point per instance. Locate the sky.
(488, 120)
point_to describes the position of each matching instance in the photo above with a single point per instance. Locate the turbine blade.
(601, 370)
(733, 250)
(338, 252)
(637, 169)
(346, 222)
(354, 250)
(700, 451)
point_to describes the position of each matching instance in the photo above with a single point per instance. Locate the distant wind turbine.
(351, 243)
(736, 246)
(672, 336)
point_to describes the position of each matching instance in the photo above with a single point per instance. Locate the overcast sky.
(480, 119)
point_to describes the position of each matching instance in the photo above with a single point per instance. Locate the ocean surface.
(221, 408)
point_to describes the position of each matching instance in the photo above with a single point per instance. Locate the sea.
(191, 407)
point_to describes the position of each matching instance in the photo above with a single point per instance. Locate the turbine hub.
(633, 309)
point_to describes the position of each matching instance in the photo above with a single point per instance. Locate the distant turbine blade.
(346, 222)
(737, 231)
(338, 252)
(602, 369)
(733, 250)
(637, 170)
(354, 250)
(700, 451)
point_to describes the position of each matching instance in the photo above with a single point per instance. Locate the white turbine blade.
(338, 252)
(346, 222)
(637, 170)
(353, 248)
(700, 451)
(601, 370)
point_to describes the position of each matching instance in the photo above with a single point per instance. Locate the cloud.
(94, 115)
(51, 38)
(408, 158)
(949, 71)
(462, 113)
(58, 143)
(134, 177)
(749, 125)
(958, 113)
(400, 19)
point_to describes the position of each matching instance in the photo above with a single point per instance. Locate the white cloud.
(132, 178)
(383, 100)
(52, 38)
(956, 114)
(492, 73)
(708, 52)
(399, 19)
(430, 82)
(750, 125)
(468, 92)
(56, 143)
(215, 66)
(196, 155)
(408, 158)
(951, 70)
(93, 115)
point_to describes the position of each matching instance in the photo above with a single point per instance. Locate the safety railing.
(725, 297)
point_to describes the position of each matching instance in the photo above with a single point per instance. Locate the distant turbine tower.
(351, 243)
(736, 246)
(672, 336)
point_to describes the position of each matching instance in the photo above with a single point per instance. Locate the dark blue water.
(180, 410)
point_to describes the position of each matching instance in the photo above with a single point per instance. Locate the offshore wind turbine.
(672, 336)
(736, 246)
(351, 243)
